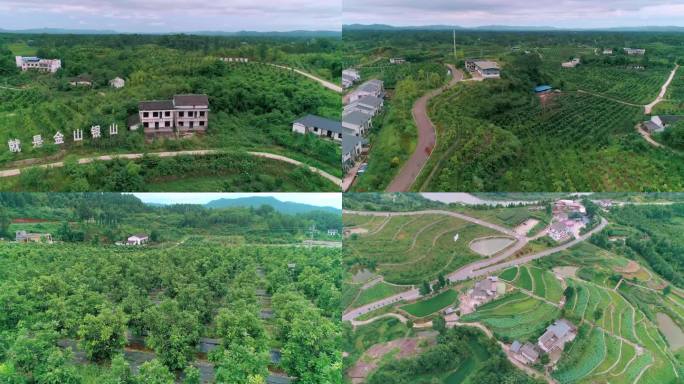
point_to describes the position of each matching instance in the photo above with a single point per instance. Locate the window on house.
(167, 124)
(146, 114)
(167, 113)
(315, 129)
(202, 123)
(180, 123)
(155, 114)
(201, 113)
(180, 114)
(146, 124)
(156, 124)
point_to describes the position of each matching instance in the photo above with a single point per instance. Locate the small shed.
(542, 89)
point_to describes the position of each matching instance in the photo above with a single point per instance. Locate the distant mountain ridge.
(385, 27)
(280, 206)
(65, 31)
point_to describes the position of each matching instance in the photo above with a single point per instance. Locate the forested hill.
(280, 206)
(110, 217)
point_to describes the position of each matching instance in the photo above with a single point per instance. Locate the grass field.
(431, 305)
(411, 249)
(375, 293)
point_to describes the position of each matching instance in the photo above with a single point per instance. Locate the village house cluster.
(361, 106)
(182, 115)
(483, 69)
(569, 217)
(33, 63)
(552, 342)
(234, 59)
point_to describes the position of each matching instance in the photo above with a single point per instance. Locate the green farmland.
(431, 305)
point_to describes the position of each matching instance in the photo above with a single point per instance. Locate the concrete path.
(479, 268)
(130, 156)
(427, 139)
(323, 82)
(661, 96)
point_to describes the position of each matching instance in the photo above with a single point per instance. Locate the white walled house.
(485, 68)
(185, 114)
(373, 87)
(349, 77)
(156, 117)
(117, 82)
(571, 64)
(319, 126)
(352, 147)
(33, 63)
(357, 122)
(191, 113)
(369, 105)
(635, 51)
(137, 239)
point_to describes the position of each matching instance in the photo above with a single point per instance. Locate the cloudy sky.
(318, 199)
(172, 15)
(556, 13)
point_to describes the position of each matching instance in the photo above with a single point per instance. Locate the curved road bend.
(16, 171)
(323, 82)
(426, 137)
(476, 269)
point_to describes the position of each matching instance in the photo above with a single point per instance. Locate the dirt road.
(426, 137)
(16, 171)
(661, 96)
(323, 82)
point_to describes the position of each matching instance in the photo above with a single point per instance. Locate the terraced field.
(411, 249)
(542, 283)
(620, 344)
(515, 316)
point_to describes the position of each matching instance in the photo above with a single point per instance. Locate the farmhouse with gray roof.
(319, 126)
(357, 122)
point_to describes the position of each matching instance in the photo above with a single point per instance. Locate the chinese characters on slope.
(95, 133)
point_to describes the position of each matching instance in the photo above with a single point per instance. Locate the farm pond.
(672, 332)
(488, 246)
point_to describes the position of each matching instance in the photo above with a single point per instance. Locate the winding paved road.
(426, 137)
(16, 171)
(479, 268)
(323, 82)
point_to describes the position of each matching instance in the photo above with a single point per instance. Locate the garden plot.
(542, 283)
